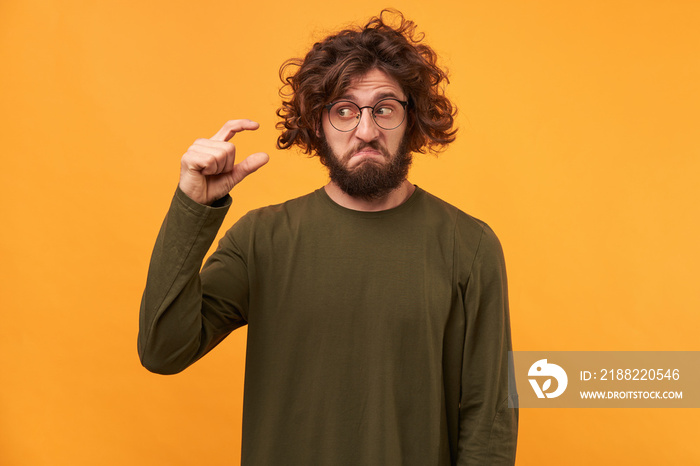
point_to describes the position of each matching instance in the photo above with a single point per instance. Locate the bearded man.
(378, 325)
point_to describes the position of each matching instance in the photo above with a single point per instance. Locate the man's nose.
(367, 130)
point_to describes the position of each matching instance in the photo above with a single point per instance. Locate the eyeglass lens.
(387, 113)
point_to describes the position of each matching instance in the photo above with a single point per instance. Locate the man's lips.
(368, 153)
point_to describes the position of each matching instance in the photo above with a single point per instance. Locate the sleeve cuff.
(223, 203)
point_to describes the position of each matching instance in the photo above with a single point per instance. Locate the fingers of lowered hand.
(209, 157)
(201, 163)
(213, 147)
(232, 127)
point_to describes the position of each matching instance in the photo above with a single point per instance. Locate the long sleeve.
(180, 320)
(488, 426)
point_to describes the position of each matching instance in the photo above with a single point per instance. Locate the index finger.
(232, 127)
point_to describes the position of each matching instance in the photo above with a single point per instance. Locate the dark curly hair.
(328, 69)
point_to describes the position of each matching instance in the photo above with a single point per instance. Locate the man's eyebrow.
(380, 96)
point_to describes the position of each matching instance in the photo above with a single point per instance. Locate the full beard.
(370, 179)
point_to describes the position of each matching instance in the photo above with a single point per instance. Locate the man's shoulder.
(473, 237)
(281, 212)
(296, 204)
(461, 219)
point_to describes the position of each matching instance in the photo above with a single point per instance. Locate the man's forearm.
(170, 322)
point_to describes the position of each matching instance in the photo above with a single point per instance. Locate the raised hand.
(208, 170)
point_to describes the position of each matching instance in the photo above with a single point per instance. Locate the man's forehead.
(374, 84)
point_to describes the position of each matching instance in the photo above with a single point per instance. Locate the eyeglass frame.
(404, 104)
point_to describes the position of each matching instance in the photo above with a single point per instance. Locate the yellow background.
(578, 144)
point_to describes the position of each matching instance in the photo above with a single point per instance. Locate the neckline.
(412, 199)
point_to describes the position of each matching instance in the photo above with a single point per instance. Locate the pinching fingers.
(232, 127)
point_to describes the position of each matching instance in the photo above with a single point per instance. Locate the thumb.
(249, 165)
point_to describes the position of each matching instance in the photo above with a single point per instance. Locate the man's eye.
(345, 112)
(383, 111)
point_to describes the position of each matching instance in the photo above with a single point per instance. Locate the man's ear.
(319, 124)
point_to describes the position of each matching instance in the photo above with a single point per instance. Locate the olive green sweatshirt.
(374, 338)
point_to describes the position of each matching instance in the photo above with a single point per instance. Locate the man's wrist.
(223, 203)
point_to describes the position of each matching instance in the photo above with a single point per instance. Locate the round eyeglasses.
(387, 114)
